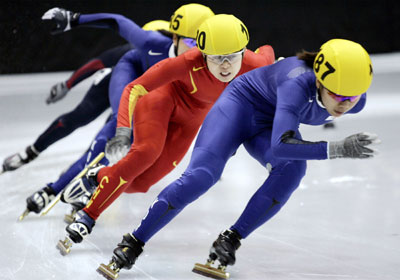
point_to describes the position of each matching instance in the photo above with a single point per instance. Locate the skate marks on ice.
(321, 269)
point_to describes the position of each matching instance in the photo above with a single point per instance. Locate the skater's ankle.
(236, 232)
(140, 242)
(90, 214)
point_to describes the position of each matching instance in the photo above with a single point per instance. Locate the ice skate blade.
(209, 271)
(70, 218)
(64, 246)
(23, 215)
(81, 174)
(107, 271)
(51, 205)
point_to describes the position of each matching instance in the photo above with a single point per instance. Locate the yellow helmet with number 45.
(186, 19)
(343, 67)
(222, 34)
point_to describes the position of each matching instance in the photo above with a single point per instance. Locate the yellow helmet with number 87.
(343, 67)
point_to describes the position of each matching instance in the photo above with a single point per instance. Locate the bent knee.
(296, 168)
(299, 167)
(189, 187)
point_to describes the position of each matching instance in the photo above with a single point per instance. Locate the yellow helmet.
(185, 21)
(343, 67)
(222, 34)
(157, 25)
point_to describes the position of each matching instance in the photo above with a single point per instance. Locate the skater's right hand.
(354, 146)
(63, 19)
(119, 146)
(57, 92)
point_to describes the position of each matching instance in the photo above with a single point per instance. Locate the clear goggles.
(231, 58)
(342, 98)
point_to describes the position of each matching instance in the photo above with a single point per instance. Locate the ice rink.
(343, 222)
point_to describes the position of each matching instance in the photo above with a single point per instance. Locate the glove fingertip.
(376, 141)
(369, 135)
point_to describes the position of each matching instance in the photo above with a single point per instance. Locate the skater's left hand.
(119, 146)
(57, 92)
(63, 19)
(354, 146)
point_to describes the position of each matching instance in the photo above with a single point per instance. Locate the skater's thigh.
(259, 146)
(226, 126)
(96, 100)
(176, 145)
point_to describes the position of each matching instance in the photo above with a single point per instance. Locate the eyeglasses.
(342, 98)
(190, 42)
(231, 58)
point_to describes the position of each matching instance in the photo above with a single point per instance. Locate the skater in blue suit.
(150, 47)
(262, 110)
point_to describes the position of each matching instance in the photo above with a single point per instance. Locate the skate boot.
(77, 231)
(223, 250)
(79, 191)
(125, 256)
(79, 187)
(38, 201)
(15, 161)
(76, 206)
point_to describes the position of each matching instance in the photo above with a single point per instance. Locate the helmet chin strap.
(177, 43)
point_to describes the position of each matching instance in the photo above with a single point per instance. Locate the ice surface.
(342, 223)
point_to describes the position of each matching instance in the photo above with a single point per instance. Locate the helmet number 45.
(317, 65)
(176, 21)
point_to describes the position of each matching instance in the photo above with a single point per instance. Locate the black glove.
(354, 146)
(63, 19)
(15, 161)
(119, 146)
(57, 92)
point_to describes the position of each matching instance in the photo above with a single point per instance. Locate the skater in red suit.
(177, 95)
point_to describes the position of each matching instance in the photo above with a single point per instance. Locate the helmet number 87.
(317, 65)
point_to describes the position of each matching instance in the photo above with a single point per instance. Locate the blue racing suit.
(262, 110)
(150, 47)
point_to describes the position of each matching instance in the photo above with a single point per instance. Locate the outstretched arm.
(287, 143)
(106, 59)
(65, 20)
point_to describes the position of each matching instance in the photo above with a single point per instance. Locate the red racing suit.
(177, 95)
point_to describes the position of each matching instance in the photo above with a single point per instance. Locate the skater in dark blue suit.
(104, 93)
(262, 110)
(150, 47)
